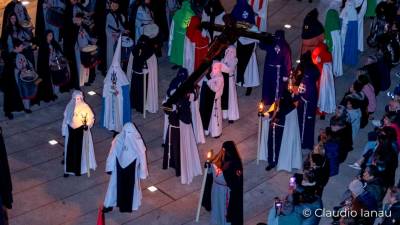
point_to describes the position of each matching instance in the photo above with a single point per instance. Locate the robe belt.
(276, 65)
(202, 47)
(304, 117)
(274, 125)
(278, 125)
(176, 127)
(139, 72)
(143, 22)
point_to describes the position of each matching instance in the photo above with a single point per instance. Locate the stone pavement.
(42, 196)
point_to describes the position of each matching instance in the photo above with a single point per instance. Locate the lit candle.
(260, 107)
(209, 154)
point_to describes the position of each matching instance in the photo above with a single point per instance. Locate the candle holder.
(84, 121)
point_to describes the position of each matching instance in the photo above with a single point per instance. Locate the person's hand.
(285, 79)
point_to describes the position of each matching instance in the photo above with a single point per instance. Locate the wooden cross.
(230, 33)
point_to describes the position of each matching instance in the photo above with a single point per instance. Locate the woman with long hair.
(50, 54)
(224, 187)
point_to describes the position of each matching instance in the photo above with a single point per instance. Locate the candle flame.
(260, 106)
(209, 154)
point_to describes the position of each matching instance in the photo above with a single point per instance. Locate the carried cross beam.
(230, 33)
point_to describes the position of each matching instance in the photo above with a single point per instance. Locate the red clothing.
(397, 128)
(324, 55)
(310, 44)
(193, 32)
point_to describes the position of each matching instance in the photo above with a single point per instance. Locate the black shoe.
(310, 1)
(217, 137)
(175, 67)
(322, 117)
(66, 175)
(107, 209)
(62, 162)
(10, 116)
(269, 167)
(163, 145)
(230, 121)
(248, 91)
(28, 111)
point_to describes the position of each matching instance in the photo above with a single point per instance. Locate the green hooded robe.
(371, 5)
(332, 23)
(181, 21)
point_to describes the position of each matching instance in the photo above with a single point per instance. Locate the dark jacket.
(376, 189)
(394, 217)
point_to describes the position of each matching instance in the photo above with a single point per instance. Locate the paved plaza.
(42, 196)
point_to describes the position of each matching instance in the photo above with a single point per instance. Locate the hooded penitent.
(243, 12)
(277, 67)
(332, 23)
(193, 33)
(312, 31)
(229, 96)
(143, 65)
(179, 24)
(128, 165)
(307, 107)
(210, 100)
(333, 40)
(311, 25)
(181, 150)
(78, 151)
(349, 33)
(322, 58)
(116, 109)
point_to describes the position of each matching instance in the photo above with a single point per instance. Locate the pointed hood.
(332, 23)
(243, 12)
(181, 76)
(311, 26)
(115, 74)
(128, 142)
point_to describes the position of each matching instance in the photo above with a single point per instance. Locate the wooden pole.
(259, 138)
(87, 153)
(207, 166)
(144, 95)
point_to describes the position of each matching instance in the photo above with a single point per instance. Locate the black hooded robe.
(45, 89)
(40, 22)
(141, 53)
(70, 35)
(74, 151)
(125, 186)
(207, 97)
(12, 97)
(5, 177)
